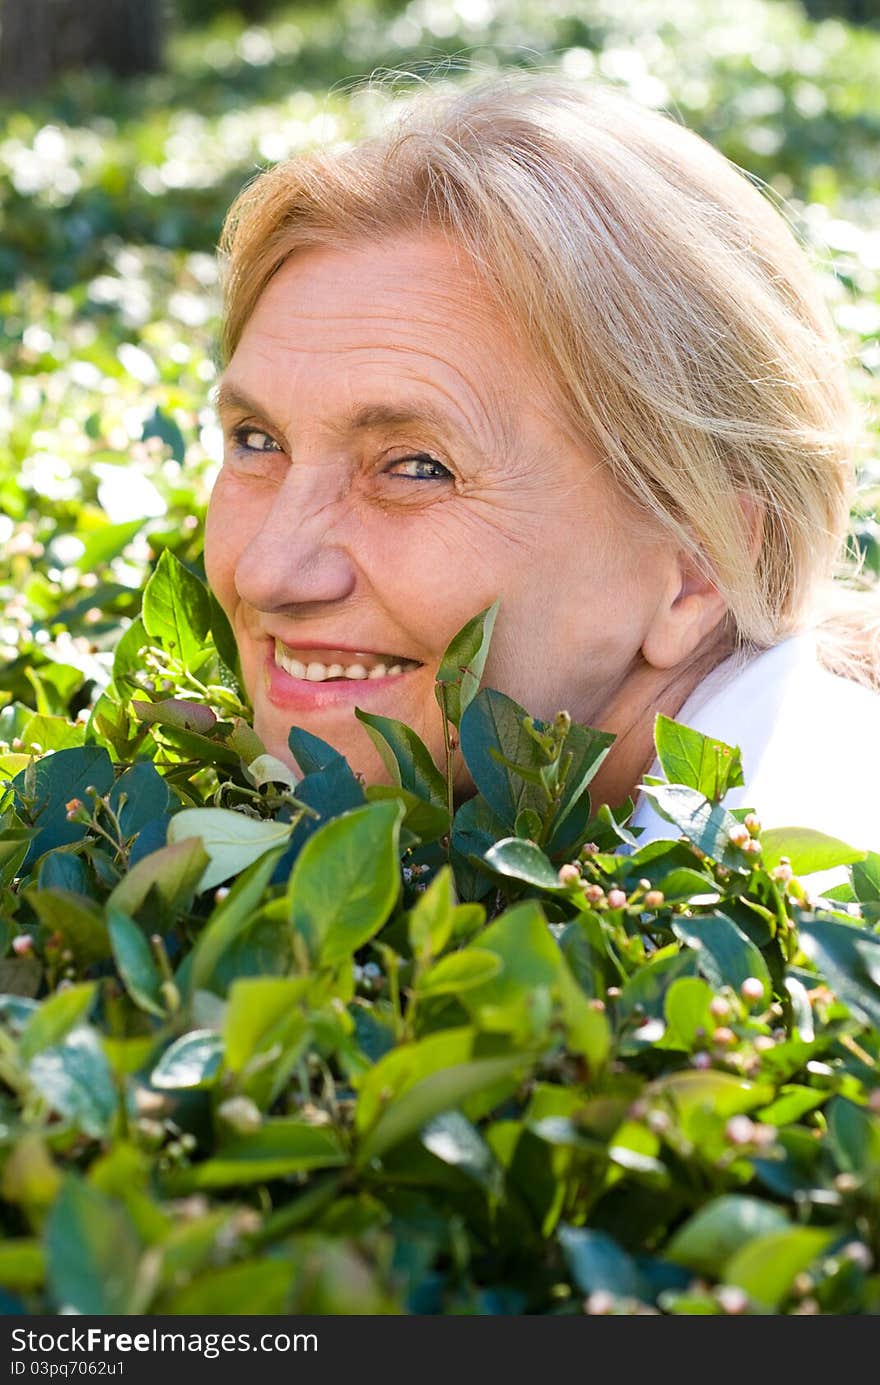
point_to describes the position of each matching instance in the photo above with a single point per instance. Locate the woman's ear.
(688, 611)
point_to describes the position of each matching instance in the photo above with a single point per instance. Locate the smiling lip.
(302, 695)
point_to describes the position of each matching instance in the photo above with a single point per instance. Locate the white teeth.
(316, 672)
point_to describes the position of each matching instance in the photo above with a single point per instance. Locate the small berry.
(600, 1303)
(616, 899)
(221, 894)
(752, 989)
(718, 1007)
(568, 874)
(732, 1299)
(598, 1005)
(241, 1113)
(751, 847)
(595, 894)
(701, 1061)
(589, 849)
(764, 1042)
(740, 834)
(612, 993)
(644, 884)
(782, 873)
(723, 1036)
(654, 899)
(739, 1130)
(23, 945)
(859, 1254)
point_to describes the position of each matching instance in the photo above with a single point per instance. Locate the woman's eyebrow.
(229, 398)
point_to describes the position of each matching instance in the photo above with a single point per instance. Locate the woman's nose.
(297, 554)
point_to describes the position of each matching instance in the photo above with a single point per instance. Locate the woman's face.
(392, 466)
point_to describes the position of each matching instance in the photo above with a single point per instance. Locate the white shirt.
(810, 743)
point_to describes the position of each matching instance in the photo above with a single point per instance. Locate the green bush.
(322, 1046)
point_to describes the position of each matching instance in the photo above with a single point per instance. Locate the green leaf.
(726, 957)
(456, 1142)
(855, 1136)
(57, 779)
(76, 1080)
(597, 1263)
(55, 1017)
(718, 1093)
(251, 1287)
(866, 878)
(721, 1228)
(233, 841)
(429, 821)
(127, 656)
(438, 1092)
(172, 874)
(405, 756)
(523, 860)
(106, 543)
(431, 918)
(92, 1251)
(690, 758)
(177, 610)
(459, 971)
(280, 1147)
(494, 722)
(22, 1264)
(193, 1060)
(688, 1016)
(806, 849)
(346, 880)
(262, 1012)
(706, 824)
(230, 919)
(767, 1266)
(463, 662)
(77, 919)
(588, 748)
(848, 959)
(178, 713)
(134, 962)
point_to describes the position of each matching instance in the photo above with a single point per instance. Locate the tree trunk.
(41, 38)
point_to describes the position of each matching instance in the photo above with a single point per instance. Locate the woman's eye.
(420, 468)
(255, 440)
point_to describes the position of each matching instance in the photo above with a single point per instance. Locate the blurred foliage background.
(113, 190)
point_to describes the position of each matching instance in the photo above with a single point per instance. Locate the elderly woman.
(537, 343)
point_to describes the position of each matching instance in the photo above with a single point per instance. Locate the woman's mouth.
(297, 679)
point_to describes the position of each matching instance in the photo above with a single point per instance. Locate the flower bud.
(732, 1298)
(723, 1036)
(616, 899)
(739, 1130)
(751, 847)
(752, 822)
(782, 873)
(241, 1113)
(654, 899)
(701, 1061)
(764, 1043)
(594, 894)
(599, 1303)
(752, 989)
(718, 1007)
(740, 834)
(859, 1254)
(568, 874)
(23, 945)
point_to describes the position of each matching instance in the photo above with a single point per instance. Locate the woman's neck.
(630, 714)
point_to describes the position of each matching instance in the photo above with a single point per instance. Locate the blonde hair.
(665, 299)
